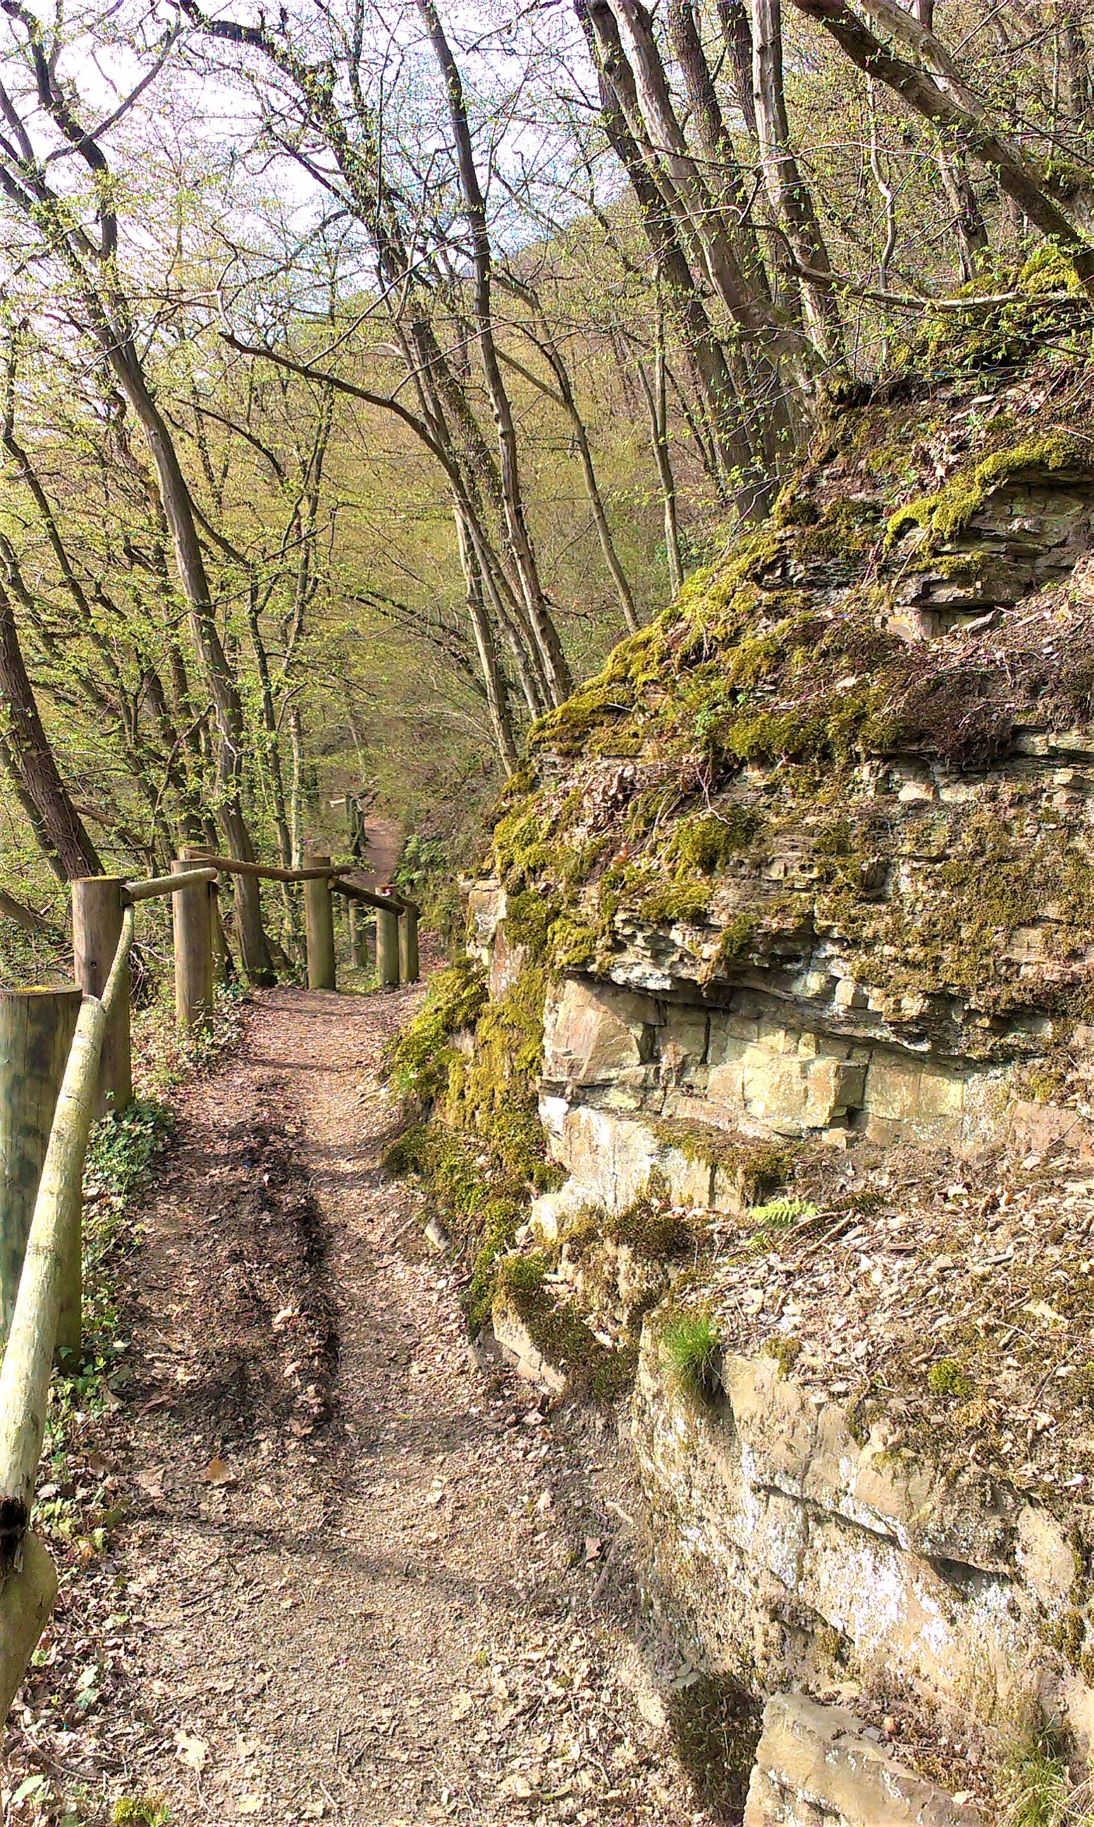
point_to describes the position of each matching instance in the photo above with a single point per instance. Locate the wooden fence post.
(357, 949)
(36, 1029)
(96, 928)
(409, 968)
(192, 919)
(222, 951)
(387, 946)
(319, 926)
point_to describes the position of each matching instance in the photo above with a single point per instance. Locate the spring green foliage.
(691, 1343)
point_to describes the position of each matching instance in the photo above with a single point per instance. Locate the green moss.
(649, 1228)
(758, 1167)
(528, 917)
(948, 511)
(558, 1331)
(785, 1349)
(945, 1377)
(668, 902)
(708, 842)
(481, 1151)
(140, 1811)
(496, 1235)
(736, 940)
(520, 846)
(419, 1059)
(574, 943)
(846, 529)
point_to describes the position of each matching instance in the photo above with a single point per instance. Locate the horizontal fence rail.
(67, 1058)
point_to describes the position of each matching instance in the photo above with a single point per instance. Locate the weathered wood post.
(36, 1029)
(222, 951)
(357, 948)
(409, 968)
(387, 946)
(319, 925)
(97, 904)
(192, 919)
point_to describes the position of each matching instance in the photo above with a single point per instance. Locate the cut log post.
(356, 927)
(319, 925)
(26, 1585)
(49, 1259)
(387, 947)
(97, 905)
(198, 856)
(36, 1029)
(192, 918)
(409, 968)
(26, 1600)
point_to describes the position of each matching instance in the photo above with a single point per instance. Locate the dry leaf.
(218, 1472)
(190, 1750)
(250, 1804)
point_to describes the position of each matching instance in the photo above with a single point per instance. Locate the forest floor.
(360, 1575)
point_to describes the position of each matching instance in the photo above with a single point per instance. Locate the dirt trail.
(372, 1584)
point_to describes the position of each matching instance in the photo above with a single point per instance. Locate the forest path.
(370, 1582)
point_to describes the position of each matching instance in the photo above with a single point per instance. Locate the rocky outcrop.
(804, 881)
(803, 1555)
(815, 1767)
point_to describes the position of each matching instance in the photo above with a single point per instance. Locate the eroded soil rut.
(370, 1582)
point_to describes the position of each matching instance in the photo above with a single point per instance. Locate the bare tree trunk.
(790, 196)
(970, 231)
(737, 34)
(296, 787)
(564, 397)
(179, 509)
(657, 406)
(542, 622)
(743, 458)
(28, 753)
(493, 675)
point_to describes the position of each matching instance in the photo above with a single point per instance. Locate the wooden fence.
(64, 1059)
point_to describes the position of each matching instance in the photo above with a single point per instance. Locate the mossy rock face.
(478, 1147)
(799, 782)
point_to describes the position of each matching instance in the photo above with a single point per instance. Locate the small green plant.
(715, 1724)
(692, 1345)
(946, 1378)
(1035, 1787)
(123, 1144)
(140, 1811)
(780, 1214)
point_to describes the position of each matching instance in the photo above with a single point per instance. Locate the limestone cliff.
(773, 1084)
